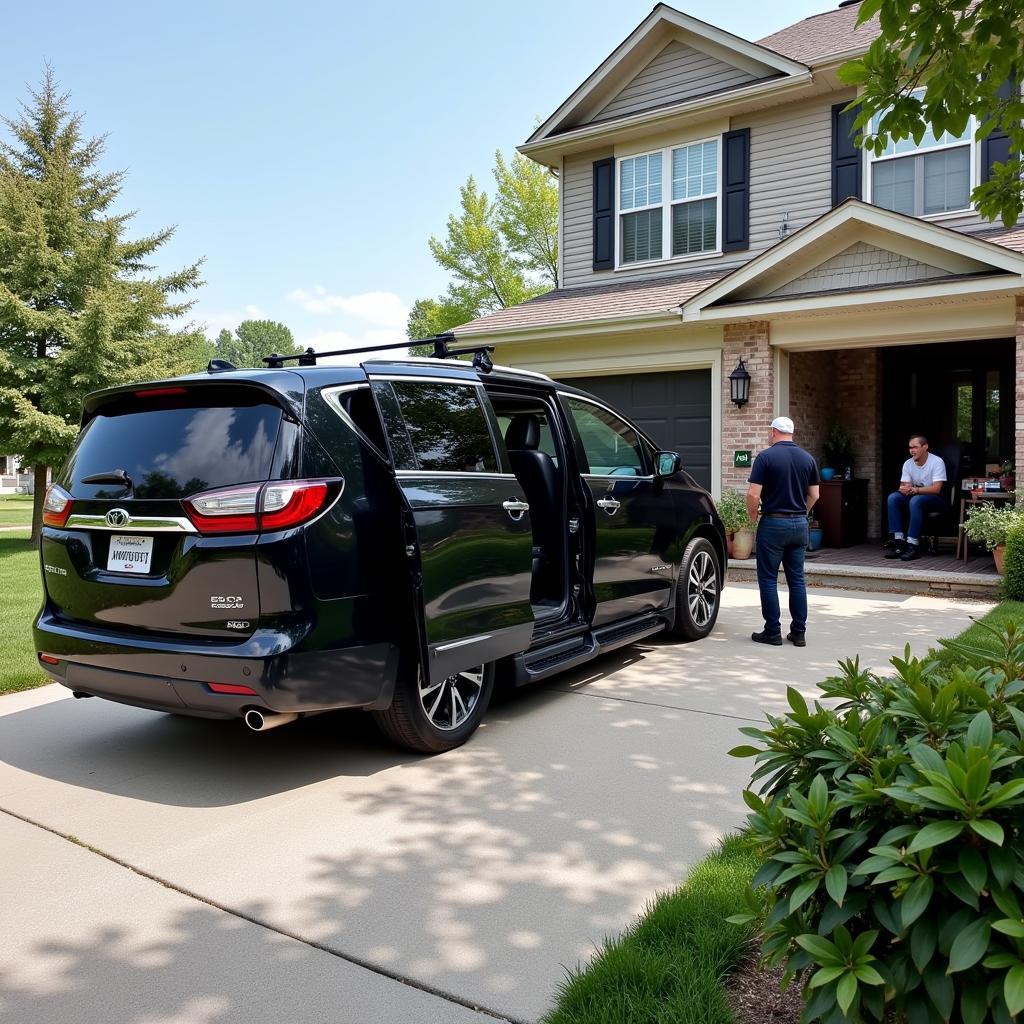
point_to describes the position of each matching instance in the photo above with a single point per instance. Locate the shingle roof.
(822, 35)
(1008, 238)
(597, 302)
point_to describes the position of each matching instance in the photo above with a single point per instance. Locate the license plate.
(129, 553)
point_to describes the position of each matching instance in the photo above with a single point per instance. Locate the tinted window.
(394, 426)
(612, 447)
(174, 452)
(547, 438)
(446, 427)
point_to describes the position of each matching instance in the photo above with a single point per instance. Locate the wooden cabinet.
(842, 510)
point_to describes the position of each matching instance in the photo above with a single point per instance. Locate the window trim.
(666, 205)
(974, 166)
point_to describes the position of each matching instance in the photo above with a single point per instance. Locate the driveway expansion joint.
(657, 704)
(348, 958)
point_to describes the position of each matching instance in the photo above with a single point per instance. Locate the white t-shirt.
(923, 476)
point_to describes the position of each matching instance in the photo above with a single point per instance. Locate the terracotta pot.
(728, 543)
(742, 543)
(999, 553)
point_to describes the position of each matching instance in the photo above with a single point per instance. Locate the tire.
(432, 719)
(698, 591)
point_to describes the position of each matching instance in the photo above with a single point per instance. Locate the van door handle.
(610, 505)
(515, 508)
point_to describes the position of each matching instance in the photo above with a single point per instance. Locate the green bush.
(988, 523)
(890, 825)
(1013, 563)
(732, 509)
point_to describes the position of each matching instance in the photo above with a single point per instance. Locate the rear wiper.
(113, 476)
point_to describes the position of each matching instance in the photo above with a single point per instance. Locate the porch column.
(1018, 391)
(746, 428)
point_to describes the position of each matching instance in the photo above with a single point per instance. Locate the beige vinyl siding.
(790, 167)
(679, 72)
(577, 190)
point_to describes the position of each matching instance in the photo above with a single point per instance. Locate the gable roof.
(629, 58)
(824, 36)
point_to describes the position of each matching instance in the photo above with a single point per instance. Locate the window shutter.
(604, 214)
(736, 190)
(847, 159)
(995, 148)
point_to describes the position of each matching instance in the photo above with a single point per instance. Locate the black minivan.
(393, 536)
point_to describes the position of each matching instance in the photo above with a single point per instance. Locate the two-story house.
(714, 207)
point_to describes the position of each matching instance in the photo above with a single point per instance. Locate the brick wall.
(812, 398)
(746, 427)
(858, 376)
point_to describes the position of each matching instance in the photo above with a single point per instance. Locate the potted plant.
(814, 534)
(987, 524)
(838, 448)
(739, 528)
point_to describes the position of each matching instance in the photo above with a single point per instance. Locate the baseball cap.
(783, 424)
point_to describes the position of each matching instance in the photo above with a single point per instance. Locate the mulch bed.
(754, 996)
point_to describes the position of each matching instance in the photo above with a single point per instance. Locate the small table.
(998, 497)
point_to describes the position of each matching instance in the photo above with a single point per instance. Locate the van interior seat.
(536, 472)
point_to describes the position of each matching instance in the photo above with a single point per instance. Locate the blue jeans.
(919, 504)
(782, 542)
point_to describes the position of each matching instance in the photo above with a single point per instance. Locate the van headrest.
(523, 433)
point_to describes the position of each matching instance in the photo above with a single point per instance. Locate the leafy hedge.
(1013, 563)
(890, 824)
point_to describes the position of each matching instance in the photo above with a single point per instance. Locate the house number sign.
(741, 460)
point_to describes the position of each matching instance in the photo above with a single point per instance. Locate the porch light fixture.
(739, 385)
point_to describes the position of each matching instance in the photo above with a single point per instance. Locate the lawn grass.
(977, 636)
(20, 597)
(668, 968)
(16, 510)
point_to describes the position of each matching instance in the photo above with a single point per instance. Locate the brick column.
(858, 376)
(1018, 391)
(746, 427)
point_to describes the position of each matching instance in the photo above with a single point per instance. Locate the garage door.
(674, 408)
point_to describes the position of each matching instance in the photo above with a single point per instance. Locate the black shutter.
(847, 159)
(995, 147)
(604, 214)
(736, 190)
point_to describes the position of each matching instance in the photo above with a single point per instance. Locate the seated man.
(920, 482)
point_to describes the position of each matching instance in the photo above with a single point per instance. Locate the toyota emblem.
(117, 517)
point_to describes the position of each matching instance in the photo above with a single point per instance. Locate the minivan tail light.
(278, 505)
(56, 506)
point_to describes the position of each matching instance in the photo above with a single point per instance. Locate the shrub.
(838, 447)
(732, 508)
(893, 878)
(987, 523)
(1013, 563)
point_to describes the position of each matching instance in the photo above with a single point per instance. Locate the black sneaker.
(910, 553)
(775, 639)
(797, 639)
(892, 544)
(898, 551)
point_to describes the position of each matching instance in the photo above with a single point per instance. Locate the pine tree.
(80, 308)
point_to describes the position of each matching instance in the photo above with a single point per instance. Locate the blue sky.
(308, 150)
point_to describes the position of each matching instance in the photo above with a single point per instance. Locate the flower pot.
(742, 543)
(999, 553)
(728, 543)
(827, 473)
(814, 535)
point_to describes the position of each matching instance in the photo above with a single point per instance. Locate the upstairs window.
(921, 179)
(668, 203)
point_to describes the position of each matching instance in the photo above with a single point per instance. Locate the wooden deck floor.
(871, 556)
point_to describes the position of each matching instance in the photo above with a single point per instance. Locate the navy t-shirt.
(785, 471)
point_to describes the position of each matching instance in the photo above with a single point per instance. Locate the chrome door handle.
(515, 508)
(610, 505)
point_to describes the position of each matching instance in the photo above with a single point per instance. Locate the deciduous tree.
(80, 306)
(254, 339)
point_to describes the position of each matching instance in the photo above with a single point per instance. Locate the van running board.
(557, 657)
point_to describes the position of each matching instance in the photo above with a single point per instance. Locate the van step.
(610, 637)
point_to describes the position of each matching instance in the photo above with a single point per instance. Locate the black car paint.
(339, 599)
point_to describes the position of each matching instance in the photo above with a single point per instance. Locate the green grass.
(20, 597)
(669, 967)
(977, 636)
(16, 510)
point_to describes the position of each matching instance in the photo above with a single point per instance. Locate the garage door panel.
(673, 408)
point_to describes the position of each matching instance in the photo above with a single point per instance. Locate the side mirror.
(667, 463)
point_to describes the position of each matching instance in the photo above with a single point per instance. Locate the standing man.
(920, 482)
(784, 479)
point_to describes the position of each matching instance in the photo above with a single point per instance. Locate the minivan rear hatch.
(120, 549)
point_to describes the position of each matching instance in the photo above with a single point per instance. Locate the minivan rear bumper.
(167, 676)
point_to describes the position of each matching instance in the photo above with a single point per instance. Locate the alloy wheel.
(450, 702)
(702, 589)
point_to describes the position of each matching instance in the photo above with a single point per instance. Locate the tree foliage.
(254, 339)
(940, 63)
(80, 308)
(499, 251)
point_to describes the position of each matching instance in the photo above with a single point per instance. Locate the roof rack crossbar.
(481, 357)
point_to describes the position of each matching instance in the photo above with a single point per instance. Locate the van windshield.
(174, 451)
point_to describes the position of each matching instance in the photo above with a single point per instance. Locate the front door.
(469, 543)
(629, 574)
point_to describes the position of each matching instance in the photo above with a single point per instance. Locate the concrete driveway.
(160, 870)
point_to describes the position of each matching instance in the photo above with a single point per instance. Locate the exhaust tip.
(81, 694)
(260, 720)
(254, 719)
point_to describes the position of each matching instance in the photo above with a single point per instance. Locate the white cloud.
(326, 341)
(379, 309)
(228, 320)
